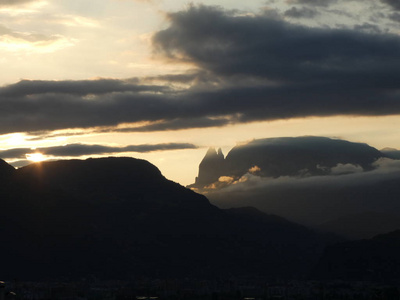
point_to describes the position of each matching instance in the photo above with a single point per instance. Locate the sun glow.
(35, 157)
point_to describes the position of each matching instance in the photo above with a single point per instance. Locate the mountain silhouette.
(391, 153)
(5, 170)
(121, 218)
(211, 167)
(286, 156)
(362, 225)
(376, 259)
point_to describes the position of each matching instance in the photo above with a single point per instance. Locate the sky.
(164, 80)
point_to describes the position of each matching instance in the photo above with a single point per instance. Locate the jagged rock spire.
(211, 167)
(220, 153)
(210, 153)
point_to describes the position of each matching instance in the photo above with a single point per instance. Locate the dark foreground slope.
(119, 218)
(376, 259)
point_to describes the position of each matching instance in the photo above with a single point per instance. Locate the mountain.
(5, 170)
(376, 259)
(120, 218)
(391, 153)
(347, 188)
(362, 225)
(286, 156)
(211, 167)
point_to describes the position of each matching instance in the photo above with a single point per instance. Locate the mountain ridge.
(121, 218)
(376, 259)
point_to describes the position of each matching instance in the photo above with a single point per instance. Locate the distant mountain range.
(348, 188)
(376, 259)
(391, 153)
(362, 225)
(120, 218)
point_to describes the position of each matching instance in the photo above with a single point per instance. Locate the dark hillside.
(119, 217)
(376, 259)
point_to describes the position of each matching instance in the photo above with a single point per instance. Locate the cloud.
(27, 37)
(86, 149)
(303, 12)
(177, 124)
(254, 170)
(346, 169)
(80, 88)
(247, 68)
(393, 3)
(387, 164)
(323, 3)
(222, 182)
(227, 44)
(395, 17)
(14, 2)
(315, 199)
(312, 67)
(192, 76)
(368, 28)
(340, 175)
(50, 105)
(13, 41)
(250, 182)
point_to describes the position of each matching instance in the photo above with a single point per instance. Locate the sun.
(35, 157)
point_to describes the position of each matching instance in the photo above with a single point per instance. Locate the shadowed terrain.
(375, 259)
(120, 218)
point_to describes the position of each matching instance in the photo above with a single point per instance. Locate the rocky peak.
(212, 155)
(211, 167)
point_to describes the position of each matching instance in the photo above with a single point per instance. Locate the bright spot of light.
(35, 157)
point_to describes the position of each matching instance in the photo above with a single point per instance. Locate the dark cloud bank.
(323, 3)
(393, 3)
(257, 68)
(86, 149)
(317, 199)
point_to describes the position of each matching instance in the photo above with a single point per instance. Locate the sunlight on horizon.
(35, 157)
